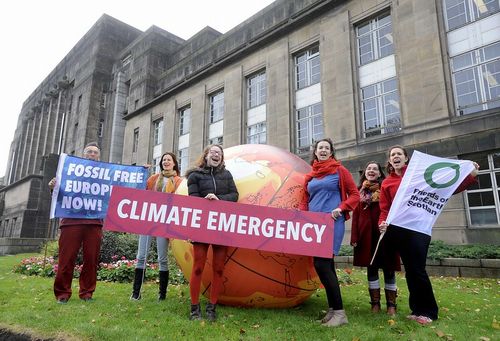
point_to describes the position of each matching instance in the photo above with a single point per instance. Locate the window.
(217, 107)
(184, 121)
(216, 140)
(380, 107)
(460, 12)
(375, 39)
(476, 79)
(183, 160)
(136, 104)
(483, 198)
(156, 165)
(100, 128)
(135, 141)
(307, 68)
(256, 90)
(157, 132)
(309, 127)
(79, 104)
(256, 133)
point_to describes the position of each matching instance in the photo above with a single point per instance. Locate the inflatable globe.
(264, 176)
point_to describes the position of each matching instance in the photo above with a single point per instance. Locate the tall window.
(476, 79)
(483, 199)
(183, 160)
(374, 39)
(100, 128)
(184, 120)
(380, 106)
(135, 140)
(257, 133)
(379, 95)
(157, 132)
(307, 68)
(256, 90)
(309, 127)
(461, 12)
(217, 106)
(79, 104)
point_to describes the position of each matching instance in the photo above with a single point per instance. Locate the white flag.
(428, 183)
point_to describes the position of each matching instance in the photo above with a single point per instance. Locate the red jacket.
(391, 184)
(349, 194)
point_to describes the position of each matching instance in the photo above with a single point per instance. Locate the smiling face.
(167, 162)
(323, 151)
(372, 172)
(397, 159)
(214, 156)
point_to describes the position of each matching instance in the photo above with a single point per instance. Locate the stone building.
(368, 73)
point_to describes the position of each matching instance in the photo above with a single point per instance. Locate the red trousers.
(200, 257)
(71, 239)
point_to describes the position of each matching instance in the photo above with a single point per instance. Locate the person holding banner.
(166, 181)
(413, 242)
(330, 188)
(364, 237)
(212, 181)
(76, 233)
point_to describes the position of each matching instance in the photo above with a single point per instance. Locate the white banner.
(427, 185)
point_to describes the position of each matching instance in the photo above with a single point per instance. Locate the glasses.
(215, 152)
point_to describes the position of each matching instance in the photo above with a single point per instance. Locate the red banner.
(219, 222)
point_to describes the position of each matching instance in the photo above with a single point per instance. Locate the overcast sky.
(36, 35)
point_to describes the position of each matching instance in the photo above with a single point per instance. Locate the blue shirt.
(324, 196)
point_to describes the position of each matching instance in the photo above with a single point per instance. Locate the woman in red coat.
(364, 237)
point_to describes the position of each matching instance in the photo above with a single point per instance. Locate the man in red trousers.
(76, 233)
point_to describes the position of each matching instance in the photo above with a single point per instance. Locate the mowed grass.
(469, 310)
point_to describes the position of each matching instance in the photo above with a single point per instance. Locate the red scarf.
(321, 169)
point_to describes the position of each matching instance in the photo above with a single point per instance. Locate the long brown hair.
(202, 160)
(362, 178)
(174, 158)
(330, 142)
(388, 166)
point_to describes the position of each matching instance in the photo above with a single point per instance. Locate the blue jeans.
(143, 248)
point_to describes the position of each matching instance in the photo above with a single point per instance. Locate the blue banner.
(83, 187)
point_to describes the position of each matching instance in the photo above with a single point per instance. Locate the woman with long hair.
(210, 180)
(167, 180)
(365, 235)
(330, 188)
(411, 245)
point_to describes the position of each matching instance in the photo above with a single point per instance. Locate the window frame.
(135, 140)
(260, 135)
(258, 83)
(310, 127)
(311, 56)
(214, 104)
(184, 120)
(374, 37)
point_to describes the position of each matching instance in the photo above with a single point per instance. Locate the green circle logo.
(440, 165)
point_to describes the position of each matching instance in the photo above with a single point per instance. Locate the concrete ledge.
(12, 246)
(448, 267)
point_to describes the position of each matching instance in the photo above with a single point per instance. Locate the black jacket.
(202, 181)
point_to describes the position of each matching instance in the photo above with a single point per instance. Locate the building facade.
(367, 73)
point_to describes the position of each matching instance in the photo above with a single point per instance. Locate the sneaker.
(195, 312)
(412, 317)
(423, 320)
(62, 300)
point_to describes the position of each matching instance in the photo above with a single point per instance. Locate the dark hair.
(388, 166)
(362, 178)
(174, 158)
(330, 142)
(92, 144)
(202, 160)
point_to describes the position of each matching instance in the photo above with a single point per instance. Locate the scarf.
(369, 192)
(321, 169)
(168, 176)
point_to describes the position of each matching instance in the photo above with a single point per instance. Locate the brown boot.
(375, 299)
(390, 296)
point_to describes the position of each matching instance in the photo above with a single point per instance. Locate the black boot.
(195, 312)
(211, 314)
(162, 294)
(136, 288)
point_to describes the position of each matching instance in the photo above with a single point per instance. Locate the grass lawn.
(27, 305)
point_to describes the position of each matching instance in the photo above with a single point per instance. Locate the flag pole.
(376, 248)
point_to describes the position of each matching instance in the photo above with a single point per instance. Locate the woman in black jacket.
(212, 181)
